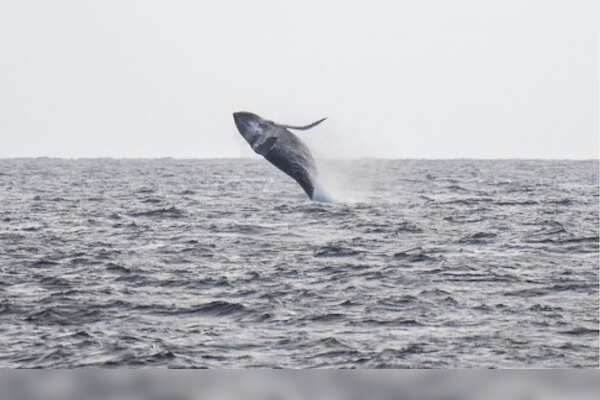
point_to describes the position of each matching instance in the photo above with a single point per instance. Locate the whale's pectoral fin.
(303, 128)
(265, 146)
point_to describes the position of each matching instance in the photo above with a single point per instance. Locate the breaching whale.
(283, 149)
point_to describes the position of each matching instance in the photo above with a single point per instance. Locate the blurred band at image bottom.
(315, 384)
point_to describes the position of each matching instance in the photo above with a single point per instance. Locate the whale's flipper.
(303, 128)
(283, 149)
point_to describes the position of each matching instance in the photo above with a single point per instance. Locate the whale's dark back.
(291, 156)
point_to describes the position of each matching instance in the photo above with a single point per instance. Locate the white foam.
(321, 196)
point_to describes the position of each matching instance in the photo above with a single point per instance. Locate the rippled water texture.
(225, 263)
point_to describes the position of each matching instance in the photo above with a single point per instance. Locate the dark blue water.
(225, 263)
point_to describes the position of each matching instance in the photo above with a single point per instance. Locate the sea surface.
(226, 263)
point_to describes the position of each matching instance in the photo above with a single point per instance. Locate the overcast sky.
(401, 79)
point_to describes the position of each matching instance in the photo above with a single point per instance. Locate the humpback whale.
(283, 149)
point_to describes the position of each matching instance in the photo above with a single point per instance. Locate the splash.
(323, 196)
(345, 181)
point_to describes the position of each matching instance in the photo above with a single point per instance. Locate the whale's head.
(252, 127)
(261, 134)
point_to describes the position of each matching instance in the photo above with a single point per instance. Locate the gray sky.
(402, 79)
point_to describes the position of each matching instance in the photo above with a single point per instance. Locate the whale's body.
(283, 149)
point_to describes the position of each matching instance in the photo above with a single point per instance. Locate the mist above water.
(349, 181)
(345, 179)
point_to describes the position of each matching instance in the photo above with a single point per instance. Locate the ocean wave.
(170, 212)
(336, 250)
(217, 308)
(478, 238)
(578, 331)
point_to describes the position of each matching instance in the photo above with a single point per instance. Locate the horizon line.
(319, 158)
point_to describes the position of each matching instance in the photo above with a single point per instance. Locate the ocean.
(226, 263)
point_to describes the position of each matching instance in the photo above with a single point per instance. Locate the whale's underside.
(291, 156)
